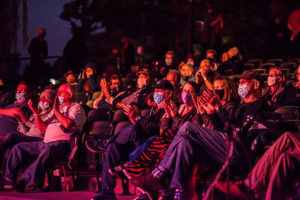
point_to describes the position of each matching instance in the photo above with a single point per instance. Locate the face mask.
(158, 98)
(220, 93)
(191, 63)
(61, 100)
(243, 90)
(141, 82)
(20, 96)
(168, 61)
(271, 81)
(44, 105)
(187, 98)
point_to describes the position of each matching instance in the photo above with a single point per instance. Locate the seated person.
(173, 77)
(274, 92)
(9, 114)
(88, 81)
(66, 117)
(71, 78)
(6, 96)
(211, 55)
(132, 136)
(292, 91)
(232, 63)
(208, 147)
(205, 76)
(187, 73)
(27, 130)
(109, 91)
(274, 174)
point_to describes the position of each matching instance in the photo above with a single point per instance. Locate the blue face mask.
(44, 105)
(61, 100)
(158, 98)
(243, 90)
(187, 99)
(20, 96)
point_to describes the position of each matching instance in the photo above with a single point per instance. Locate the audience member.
(131, 137)
(205, 76)
(66, 117)
(11, 114)
(187, 73)
(27, 130)
(88, 81)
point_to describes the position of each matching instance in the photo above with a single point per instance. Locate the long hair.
(230, 89)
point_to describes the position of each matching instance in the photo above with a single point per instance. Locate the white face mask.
(168, 61)
(141, 82)
(271, 81)
(61, 100)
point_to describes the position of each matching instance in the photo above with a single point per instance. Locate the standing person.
(127, 55)
(38, 50)
(294, 26)
(66, 117)
(213, 24)
(74, 53)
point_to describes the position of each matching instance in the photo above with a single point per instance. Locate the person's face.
(172, 78)
(41, 32)
(210, 56)
(22, 88)
(168, 59)
(218, 85)
(186, 71)
(205, 66)
(274, 73)
(187, 88)
(89, 71)
(71, 78)
(115, 84)
(249, 83)
(142, 80)
(164, 93)
(63, 91)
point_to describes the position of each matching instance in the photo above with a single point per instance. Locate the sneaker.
(105, 195)
(149, 185)
(20, 185)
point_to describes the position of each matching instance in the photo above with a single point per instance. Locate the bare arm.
(40, 124)
(65, 121)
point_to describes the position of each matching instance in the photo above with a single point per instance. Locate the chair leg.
(97, 156)
(125, 186)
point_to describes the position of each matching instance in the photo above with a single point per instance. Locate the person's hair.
(278, 69)
(194, 85)
(190, 67)
(171, 53)
(230, 89)
(211, 51)
(175, 72)
(28, 88)
(114, 77)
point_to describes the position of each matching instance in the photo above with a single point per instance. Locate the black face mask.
(220, 93)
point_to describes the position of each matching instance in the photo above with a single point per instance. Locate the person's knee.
(185, 129)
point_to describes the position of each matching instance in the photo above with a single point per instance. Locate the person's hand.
(132, 112)
(203, 72)
(198, 106)
(89, 73)
(56, 104)
(198, 76)
(32, 107)
(83, 74)
(103, 84)
(211, 98)
(209, 109)
(167, 109)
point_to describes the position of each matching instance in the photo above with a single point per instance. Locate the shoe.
(105, 195)
(149, 185)
(142, 196)
(116, 171)
(20, 185)
(236, 189)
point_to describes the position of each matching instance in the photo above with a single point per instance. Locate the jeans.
(118, 150)
(194, 143)
(44, 155)
(12, 139)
